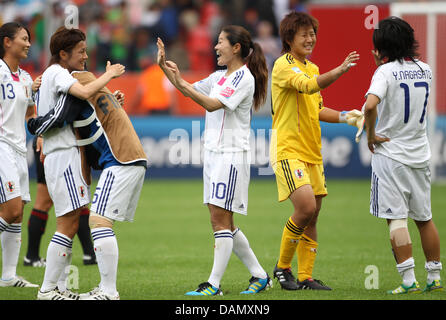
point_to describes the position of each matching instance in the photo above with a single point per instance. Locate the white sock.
(3, 225)
(57, 255)
(11, 239)
(406, 270)
(433, 269)
(62, 281)
(244, 252)
(222, 253)
(107, 254)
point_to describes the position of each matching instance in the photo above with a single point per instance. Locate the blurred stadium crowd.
(125, 31)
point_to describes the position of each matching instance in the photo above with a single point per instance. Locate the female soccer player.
(227, 96)
(295, 151)
(16, 105)
(62, 165)
(401, 179)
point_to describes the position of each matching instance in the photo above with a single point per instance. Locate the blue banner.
(174, 148)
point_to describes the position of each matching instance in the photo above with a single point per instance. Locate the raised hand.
(161, 58)
(120, 97)
(349, 62)
(115, 70)
(36, 84)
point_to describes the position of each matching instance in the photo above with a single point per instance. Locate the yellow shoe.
(434, 286)
(402, 289)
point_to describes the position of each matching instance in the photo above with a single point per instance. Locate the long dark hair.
(255, 60)
(64, 39)
(394, 39)
(9, 30)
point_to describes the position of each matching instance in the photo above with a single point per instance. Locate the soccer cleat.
(37, 263)
(85, 296)
(402, 289)
(434, 286)
(312, 284)
(54, 294)
(101, 295)
(89, 259)
(17, 282)
(205, 289)
(256, 285)
(285, 278)
(70, 294)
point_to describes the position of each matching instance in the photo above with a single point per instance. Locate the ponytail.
(257, 65)
(252, 54)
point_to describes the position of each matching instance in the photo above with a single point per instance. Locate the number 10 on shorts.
(218, 190)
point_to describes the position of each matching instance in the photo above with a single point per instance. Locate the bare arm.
(86, 91)
(329, 115)
(370, 115)
(172, 73)
(326, 79)
(30, 113)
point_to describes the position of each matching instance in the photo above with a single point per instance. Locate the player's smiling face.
(78, 57)
(224, 49)
(303, 43)
(20, 44)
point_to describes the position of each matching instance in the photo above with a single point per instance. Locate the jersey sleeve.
(63, 81)
(233, 93)
(289, 76)
(204, 86)
(379, 84)
(67, 110)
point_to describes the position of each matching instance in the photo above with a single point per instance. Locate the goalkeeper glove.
(354, 118)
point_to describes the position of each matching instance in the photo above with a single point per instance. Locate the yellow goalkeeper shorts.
(292, 174)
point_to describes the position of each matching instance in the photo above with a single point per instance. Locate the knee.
(43, 204)
(97, 221)
(305, 213)
(68, 224)
(12, 212)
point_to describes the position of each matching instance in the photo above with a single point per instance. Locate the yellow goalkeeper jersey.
(296, 103)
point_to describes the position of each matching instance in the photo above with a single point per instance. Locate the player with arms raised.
(66, 185)
(228, 97)
(295, 151)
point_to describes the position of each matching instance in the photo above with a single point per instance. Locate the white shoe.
(101, 295)
(87, 295)
(70, 294)
(54, 294)
(17, 282)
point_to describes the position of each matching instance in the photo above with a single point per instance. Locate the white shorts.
(226, 180)
(117, 193)
(66, 185)
(14, 180)
(399, 191)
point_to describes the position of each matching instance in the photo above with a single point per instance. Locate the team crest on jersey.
(82, 191)
(299, 173)
(10, 186)
(227, 92)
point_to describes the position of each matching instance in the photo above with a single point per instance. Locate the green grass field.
(168, 249)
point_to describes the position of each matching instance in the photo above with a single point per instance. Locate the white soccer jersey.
(228, 129)
(56, 81)
(15, 98)
(403, 89)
